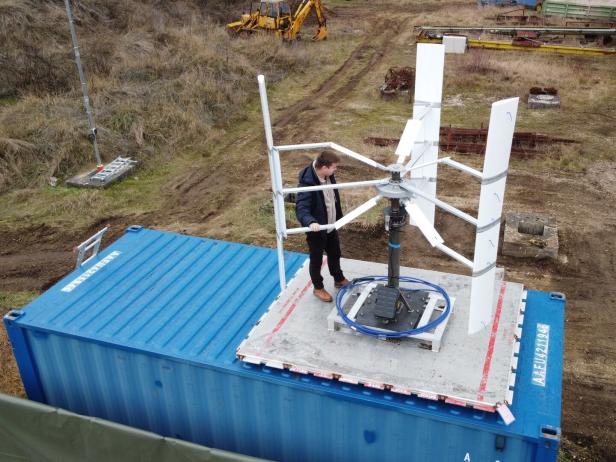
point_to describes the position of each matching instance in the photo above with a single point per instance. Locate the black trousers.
(330, 244)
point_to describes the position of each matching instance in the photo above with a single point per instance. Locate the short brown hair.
(326, 158)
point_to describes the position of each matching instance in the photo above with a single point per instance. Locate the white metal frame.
(420, 141)
(92, 243)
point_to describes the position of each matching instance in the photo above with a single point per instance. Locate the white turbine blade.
(494, 177)
(357, 212)
(420, 220)
(427, 107)
(408, 139)
(482, 301)
(429, 74)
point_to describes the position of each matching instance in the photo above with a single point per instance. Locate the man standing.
(316, 208)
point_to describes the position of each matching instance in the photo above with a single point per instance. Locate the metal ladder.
(116, 167)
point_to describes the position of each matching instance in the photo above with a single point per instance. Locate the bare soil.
(34, 258)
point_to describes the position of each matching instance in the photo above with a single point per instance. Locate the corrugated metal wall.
(255, 416)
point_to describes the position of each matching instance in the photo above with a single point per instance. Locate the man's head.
(326, 164)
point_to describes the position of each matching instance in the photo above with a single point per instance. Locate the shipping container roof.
(182, 296)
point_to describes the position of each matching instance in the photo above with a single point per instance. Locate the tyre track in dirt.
(329, 92)
(187, 189)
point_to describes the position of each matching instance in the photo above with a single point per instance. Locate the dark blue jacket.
(310, 206)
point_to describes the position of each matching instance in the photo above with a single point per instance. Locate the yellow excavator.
(276, 16)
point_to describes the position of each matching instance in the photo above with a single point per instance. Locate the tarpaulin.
(30, 431)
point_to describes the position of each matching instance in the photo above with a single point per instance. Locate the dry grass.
(164, 77)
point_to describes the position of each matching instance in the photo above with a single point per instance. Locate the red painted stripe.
(288, 313)
(291, 308)
(488, 360)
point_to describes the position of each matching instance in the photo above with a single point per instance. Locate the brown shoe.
(323, 295)
(339, 284)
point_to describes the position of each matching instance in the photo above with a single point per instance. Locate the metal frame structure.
(525, 46)
(92, 243)
(417, 195)
(82, 80)
(513, 30)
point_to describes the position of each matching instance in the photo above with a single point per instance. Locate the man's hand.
(314, 227)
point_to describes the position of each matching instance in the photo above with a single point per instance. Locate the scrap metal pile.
(398, 80)
(473, 140)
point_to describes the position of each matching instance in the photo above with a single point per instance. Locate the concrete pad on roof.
(468, 370)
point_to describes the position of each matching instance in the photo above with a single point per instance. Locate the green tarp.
(30, 431)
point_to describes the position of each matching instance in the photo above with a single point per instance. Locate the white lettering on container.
(540, 359)
(88, 274)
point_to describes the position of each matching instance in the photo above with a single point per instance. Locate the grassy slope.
(170, 88)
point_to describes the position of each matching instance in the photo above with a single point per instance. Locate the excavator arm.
(300, 16)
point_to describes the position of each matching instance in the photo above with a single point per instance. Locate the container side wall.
(276, 415)
(540, 368)
(23, 357)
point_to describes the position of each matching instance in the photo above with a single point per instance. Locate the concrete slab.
(543, 101)
(110, 173)
(472, 371)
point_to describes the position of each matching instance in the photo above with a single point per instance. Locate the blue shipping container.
(145, 334)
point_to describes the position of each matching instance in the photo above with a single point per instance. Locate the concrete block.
(530, 235)
(454, 44)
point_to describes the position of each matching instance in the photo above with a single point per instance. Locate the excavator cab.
(278, 10)
(276, 16)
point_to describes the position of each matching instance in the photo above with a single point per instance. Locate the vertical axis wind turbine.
(411, 186)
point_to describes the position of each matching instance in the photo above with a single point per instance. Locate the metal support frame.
(418, 193)
(542, 48)
(278, 190)
(93, 243)
(82, 80)
(517, 29)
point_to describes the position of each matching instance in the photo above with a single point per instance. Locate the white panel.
(454, 44)
(429, 72)
(482, 301)
(407, 141)
(498, 149)
(500, 136)
(426, 228)
(357, 212)
(427, 107)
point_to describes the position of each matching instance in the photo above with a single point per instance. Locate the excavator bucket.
(321, 34)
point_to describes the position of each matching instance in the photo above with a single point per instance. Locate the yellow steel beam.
(498, 45)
